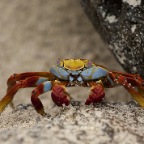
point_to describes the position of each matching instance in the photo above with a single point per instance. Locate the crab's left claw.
(96, 93)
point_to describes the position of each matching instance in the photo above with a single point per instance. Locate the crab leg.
(40, 89)
(28, 82)
(59, 95)
(134, 79)
(134, 87)
(138, 96)
(17, 77)
(96, 93)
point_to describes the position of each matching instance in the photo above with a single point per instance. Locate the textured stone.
(121, 25)
(108, 123)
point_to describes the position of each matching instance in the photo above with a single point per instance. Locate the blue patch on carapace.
(59, 72)
(99, 72)
(47, 86)
(87, 73)
(41, 80)
(94, 73)
(63, 72)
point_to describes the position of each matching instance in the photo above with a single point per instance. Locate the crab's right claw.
(59, 95)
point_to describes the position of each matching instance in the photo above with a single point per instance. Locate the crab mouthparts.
(77, 78)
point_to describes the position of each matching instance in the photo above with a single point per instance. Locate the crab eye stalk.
(59, 62)
(88, 64)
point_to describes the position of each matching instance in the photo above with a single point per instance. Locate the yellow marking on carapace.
(74, 64)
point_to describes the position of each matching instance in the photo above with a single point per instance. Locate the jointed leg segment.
(134, 87)
(28, 82)
(59, 95)
(40, 89)
(42, 84)
(22, 76)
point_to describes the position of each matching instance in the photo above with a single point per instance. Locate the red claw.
(96, 95)
(59, 95)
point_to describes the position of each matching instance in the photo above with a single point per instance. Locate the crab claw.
(59, 95)
(96, 95)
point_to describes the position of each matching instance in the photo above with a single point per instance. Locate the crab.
(70, 73)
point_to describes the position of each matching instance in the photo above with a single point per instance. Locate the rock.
(105, 123)
(121, 25)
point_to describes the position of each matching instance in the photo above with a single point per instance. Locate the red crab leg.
(59, 95)
(134, 79)
(96, 93)
(17, 77)
(134, 87)
(28, 82)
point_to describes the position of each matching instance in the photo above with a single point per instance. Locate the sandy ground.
(33, 35)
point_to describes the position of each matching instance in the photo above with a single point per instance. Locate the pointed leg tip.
(46, 115)
(13, 107)
(2, 107)
(41, 111)
(1, 111)
(67, 102)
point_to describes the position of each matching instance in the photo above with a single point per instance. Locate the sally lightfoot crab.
(69, 73)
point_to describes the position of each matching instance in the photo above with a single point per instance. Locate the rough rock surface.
(121, 123)
(121, 25)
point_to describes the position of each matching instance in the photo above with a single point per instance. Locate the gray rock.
(109, 123)
(121, 25)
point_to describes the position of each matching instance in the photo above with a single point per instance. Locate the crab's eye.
(88, 64)
(60, 62)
